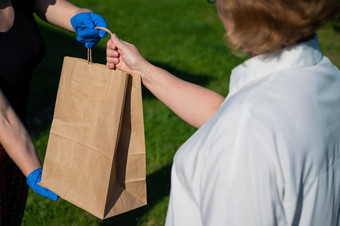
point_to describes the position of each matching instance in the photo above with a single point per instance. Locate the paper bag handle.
(89, 55)
(89, 50)
(105, 29)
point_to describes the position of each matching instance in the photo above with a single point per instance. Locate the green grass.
(330, 43)
(185, 38)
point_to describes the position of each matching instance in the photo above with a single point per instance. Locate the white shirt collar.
(299, 55)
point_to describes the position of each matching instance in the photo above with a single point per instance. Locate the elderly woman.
(268, 153)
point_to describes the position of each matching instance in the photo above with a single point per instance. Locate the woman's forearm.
(15, 139)
(193, 103)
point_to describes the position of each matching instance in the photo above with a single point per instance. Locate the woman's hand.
(125, 56)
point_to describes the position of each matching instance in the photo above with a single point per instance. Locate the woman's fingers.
(111, 45)
(112, 55)
(118, 43)
(112, 52)
(110, 65)
(111, 61)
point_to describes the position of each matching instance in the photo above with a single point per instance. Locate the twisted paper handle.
(105, 29)
(89, 50)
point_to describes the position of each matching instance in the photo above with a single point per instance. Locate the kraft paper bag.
(95, 156)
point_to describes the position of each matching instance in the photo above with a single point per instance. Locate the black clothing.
(21, 49)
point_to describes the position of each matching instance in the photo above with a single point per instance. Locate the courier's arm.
(72, 18)
(19, 146)
(58, 12)
(15, 139)
(193, 103)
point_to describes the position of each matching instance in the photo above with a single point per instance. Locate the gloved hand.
(84, 23)
(33, 179)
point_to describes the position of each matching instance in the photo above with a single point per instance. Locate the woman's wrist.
(145, 71)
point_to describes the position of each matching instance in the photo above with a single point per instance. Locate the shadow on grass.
(158, 187)
(46, 77)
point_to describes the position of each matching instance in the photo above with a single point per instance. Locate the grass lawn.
(185, 38)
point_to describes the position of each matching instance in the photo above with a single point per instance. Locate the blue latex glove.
(33, 179)
(84, 23)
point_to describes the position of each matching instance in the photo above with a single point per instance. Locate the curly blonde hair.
(261, 26)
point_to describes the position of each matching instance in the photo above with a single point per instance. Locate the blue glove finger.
(46, 193)
(33, 179)
(84, 23)
(99, 22)
(89, 34)
(90, 37)
(90, 44)
(80, 39)
(102, 34)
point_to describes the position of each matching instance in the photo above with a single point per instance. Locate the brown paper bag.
(95, 156)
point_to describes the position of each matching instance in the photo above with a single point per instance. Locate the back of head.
(261, 26)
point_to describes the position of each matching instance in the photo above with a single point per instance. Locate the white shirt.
(271, 153)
